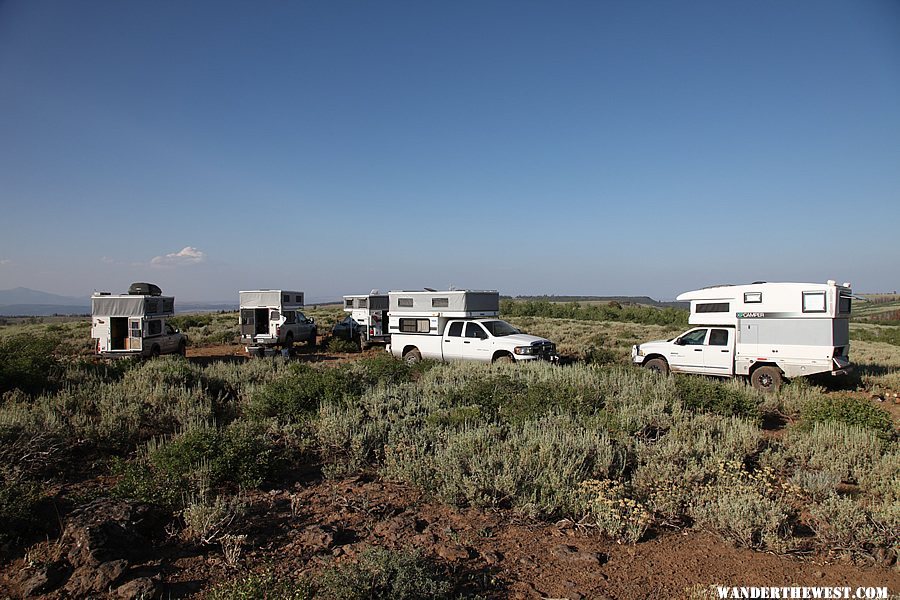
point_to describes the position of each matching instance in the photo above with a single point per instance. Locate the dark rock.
(142, 588)
(492, 558)
(451, 552)
(316, 538)
(45, 578)
(107, 530)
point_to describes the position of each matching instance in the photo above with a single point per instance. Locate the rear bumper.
(259, 340)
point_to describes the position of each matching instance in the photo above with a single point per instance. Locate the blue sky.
(599, 147)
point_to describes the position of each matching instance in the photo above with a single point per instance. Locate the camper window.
(440, 302)
(274, 315)
(363, 303)
(408, 302)
(713, 307)
(414, 326)
(136, 329)
(752, 297)
(152, 306)
(813, 302)
(455, 329)
(348, 303)
(298, 299)
(154, 327)
(718, 337)
(285, 297)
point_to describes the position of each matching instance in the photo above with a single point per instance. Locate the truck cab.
(706, 350)
(492, 340)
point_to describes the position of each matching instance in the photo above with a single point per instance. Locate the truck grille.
(544, 350)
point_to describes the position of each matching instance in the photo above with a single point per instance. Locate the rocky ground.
(115, 549)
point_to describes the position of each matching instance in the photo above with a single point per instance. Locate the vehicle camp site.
(552, 443)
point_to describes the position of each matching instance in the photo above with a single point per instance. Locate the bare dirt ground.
(317, 522)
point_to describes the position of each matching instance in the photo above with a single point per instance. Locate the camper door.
(135, 333)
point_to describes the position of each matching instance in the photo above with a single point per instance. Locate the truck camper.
(272, 318)
(367, 321)
(458, 325)
(767, 332)
(134, 324)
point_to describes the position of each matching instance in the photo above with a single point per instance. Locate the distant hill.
(23, 301)
(642, 300)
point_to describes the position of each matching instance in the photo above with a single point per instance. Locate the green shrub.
(19, 503)
(295, 396)
(845, 525)
(341, 346)
(842, 408)
(615, 513)
(594, 312)
(598, 356)
(847, 452)
(745, 516)
(267, 585)
(534, 467)
(385, 369)
(167, 472)
(27, 362)
(384, 574)
(702, 394)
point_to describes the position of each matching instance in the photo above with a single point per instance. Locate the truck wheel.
(312, 338)
(182, 348)
(289, 342)
(363, 346)
(154, 352)
(657, 365)
(413, 356)
(505, 359)
(766, 379)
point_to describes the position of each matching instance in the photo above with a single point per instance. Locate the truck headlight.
(523, 350)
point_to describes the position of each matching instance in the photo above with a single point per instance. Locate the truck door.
(477, 344)
(135, 334)
(718, 353)
(452, 343)
(688, 354)
(248, 321)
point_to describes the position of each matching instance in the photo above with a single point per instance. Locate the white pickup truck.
(459, 325)
(765, 331)
(484, 340)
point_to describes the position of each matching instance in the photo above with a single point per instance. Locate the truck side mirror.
(679, 342)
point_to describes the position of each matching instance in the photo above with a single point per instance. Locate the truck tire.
(413, 356)
(289, 341)
(182, 348)
(505, 359)
(657, 365)
(154, 351)
(312, 338)
(766, 379)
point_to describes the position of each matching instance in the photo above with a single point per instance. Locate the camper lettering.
(750, 315)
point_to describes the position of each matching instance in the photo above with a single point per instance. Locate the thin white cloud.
(5, 261)
(186, 256)
(108, 260)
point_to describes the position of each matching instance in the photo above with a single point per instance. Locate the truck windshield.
(499, 328)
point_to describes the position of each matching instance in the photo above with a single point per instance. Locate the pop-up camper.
(134, 324)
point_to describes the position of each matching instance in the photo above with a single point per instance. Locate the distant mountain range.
(24, 302)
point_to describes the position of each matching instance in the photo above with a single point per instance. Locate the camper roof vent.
(144, 289)
(757, 282)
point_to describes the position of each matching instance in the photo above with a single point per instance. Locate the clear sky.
(596, 147)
